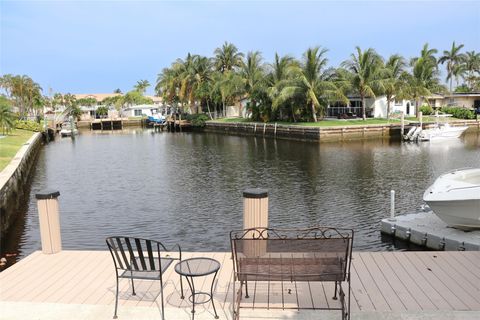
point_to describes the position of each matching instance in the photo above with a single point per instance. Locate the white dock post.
(420, 117)
(49, 217)
(392, 204)
(275, 134)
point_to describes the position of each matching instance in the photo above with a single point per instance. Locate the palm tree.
(253, 75)
(117, 91)
(311, 81)
(472, 67)
(141, 86)
(276, 80)
(424, 77)
(393, 82)
(366, 68)
(228, 85)
(227, 58)
(202, 81)
(453, 58)
(7, 117)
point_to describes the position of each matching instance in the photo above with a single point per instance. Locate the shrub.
(426, 109)
(197, 120)
(459, 112)
(28, 125)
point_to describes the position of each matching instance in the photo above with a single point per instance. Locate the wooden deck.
(405, 282)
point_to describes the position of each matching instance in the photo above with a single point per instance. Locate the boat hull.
(461, 214)
(440, 134)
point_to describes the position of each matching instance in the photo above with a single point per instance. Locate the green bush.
(426, 109)
(197, 120)
(28, 125)
(459, 112)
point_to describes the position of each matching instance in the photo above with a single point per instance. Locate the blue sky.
(98, 46)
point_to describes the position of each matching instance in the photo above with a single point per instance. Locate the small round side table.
(198, 267)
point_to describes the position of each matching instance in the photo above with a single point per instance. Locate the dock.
(393, 285)
(106, 124)
(427, 230)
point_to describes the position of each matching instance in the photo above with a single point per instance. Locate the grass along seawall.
(14, 180)
(323, 133)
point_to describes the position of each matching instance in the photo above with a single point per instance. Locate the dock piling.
(47, 202)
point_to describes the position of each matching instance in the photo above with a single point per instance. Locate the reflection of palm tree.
(453, 58)
(365, 67)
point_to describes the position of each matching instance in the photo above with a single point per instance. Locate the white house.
(141, 110)
(374, 107)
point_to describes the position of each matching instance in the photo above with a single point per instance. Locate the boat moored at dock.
(455, 198)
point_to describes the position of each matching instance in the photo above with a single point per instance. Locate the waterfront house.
(374, 107)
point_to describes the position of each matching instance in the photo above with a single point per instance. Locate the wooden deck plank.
(13, 273)
(430, 292)
(450, 279)
(398, 286)
(436, 283)
(469, 264)
(468, 280)
(66, 280)
(40, 274)
(394, 302)
(359, 292)
(372, 289)
(410, 284)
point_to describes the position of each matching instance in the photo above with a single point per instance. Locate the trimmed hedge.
(198, 120)
(459, 112)
(28, 125)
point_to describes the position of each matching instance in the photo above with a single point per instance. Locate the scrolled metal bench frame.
(326, 255)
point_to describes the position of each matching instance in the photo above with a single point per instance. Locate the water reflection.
(186, 187)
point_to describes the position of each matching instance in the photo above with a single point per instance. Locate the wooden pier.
(106, 124)
(393, 285)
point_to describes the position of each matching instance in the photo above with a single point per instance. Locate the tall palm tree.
(365, 67)
(472, 68)
(453, 58)
(276, 80)
(424, 77)
(228, 85)
(393, 82)
(142, 86)
(227, 58)
(253, 75)
(311, 81)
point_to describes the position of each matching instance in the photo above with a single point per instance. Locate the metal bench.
(294, 255)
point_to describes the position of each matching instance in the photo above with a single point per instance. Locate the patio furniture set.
(320, 254)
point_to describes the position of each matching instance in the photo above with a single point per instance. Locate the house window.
(137, 113)
(398, 102)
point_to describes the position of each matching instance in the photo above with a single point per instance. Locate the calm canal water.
(187, 187)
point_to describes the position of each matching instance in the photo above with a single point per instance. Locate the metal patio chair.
(136, 258)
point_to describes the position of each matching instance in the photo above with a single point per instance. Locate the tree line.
(294, 89)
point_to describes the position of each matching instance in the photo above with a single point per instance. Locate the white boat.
(442, 131)
(455, 198)
(68, 130)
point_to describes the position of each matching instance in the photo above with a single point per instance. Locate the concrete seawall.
(319, 134)
(14, 182)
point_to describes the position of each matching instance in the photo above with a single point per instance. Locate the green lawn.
(10, 145)
(322, 123)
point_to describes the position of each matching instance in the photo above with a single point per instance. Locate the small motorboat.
(455, 198)
(442, 131)
(68, 129)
